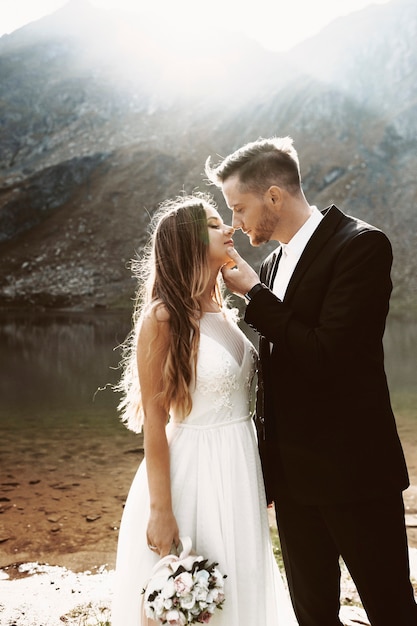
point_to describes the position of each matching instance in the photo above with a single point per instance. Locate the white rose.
(175, 618)
(202, 577)
(188, 601)
(168, 590)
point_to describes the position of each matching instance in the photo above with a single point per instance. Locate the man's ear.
(274, 195)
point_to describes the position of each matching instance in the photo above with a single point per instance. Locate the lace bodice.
(225, 370)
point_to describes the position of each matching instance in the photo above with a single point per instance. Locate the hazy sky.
(276, 24)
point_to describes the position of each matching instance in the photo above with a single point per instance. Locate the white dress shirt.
(292, 251)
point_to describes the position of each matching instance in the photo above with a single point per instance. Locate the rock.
(5, 534)
(78, 169)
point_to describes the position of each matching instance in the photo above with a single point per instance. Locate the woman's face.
(219, 238)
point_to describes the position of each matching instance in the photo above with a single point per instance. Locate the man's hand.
(238, 275)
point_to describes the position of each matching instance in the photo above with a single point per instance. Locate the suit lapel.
(269, 269)
(324, 231)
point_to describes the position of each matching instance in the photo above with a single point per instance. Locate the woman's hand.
(238, 275)
(162, 532)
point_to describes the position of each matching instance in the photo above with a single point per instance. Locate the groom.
(332, 460)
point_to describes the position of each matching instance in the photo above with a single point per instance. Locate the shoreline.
(67, 512)
(81, 534)
(49, 595)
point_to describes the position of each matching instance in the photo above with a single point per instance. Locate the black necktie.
(274, 269)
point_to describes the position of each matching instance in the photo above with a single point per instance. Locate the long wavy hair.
(172, 272)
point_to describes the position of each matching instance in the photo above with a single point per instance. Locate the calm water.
(52, 365)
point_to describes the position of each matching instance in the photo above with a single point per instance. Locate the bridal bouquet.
(184, 590)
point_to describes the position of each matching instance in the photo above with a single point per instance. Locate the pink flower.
(183, 583)
(204, 617)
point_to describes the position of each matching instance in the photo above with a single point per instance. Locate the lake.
(52, 366)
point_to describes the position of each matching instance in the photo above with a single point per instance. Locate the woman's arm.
(152, 349)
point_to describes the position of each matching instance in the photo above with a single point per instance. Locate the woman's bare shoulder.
(156, 312)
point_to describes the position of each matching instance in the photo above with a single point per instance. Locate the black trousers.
(371, 538)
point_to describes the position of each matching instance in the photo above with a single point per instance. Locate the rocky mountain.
(101, 120)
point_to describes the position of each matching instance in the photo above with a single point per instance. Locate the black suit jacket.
(326, 429)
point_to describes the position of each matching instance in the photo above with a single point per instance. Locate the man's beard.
(263, 231)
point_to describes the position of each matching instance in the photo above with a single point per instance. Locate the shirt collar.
(298, 242)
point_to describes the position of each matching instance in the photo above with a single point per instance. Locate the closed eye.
(214, 223)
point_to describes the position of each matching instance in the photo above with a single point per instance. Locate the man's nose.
(236, 222)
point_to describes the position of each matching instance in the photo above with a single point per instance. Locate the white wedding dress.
(217, 492)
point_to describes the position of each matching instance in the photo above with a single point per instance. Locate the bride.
(187, 376)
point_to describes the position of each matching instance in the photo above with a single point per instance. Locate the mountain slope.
(95, 133)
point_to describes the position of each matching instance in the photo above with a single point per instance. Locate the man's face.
(251, 212)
